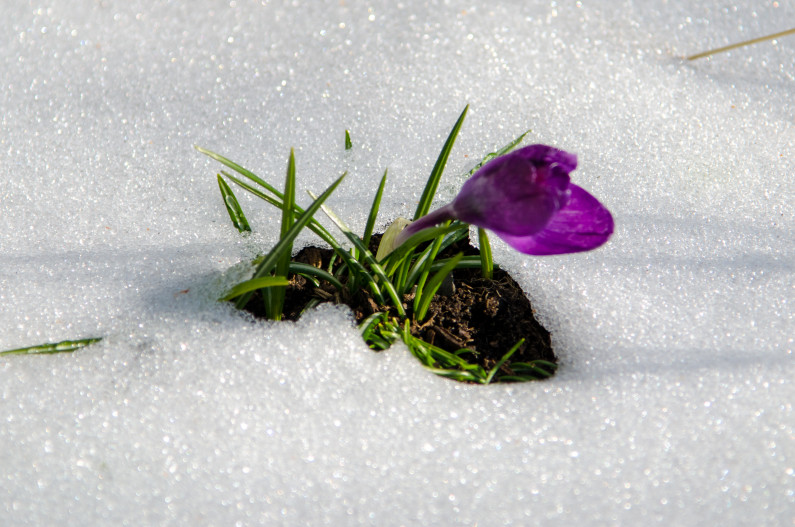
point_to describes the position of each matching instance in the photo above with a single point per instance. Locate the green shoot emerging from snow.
(65, 346)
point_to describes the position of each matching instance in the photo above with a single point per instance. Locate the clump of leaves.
(409, 261)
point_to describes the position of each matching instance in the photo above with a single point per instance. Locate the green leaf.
(367, 325)
(321, 231)
(396, 257)
(385, 283)
(502, 151)
(433, 286)
(269, 262)
(504, 358)
(288, 202)
(309, 270)
(233, 207)
(447, 241)
(252, 285)
(467, 262)
(240, 170)
(276, 199)
(368, 229)
(436, 174)
(65, 346)
(426, 269)
(533, 369)
(314, 226)
(275, 297)
(348, 144)
(442, 362)
(486, 261)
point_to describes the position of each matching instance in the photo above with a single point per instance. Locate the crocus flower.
(526, 199)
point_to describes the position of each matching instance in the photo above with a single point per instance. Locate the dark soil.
(486, 316)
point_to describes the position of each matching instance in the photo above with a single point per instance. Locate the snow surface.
(673, 403)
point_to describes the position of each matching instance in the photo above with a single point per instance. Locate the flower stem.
(486, 262)
(426, 222)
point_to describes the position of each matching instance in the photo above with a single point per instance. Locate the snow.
(673, 403)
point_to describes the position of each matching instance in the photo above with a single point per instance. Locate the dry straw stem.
(741, 44)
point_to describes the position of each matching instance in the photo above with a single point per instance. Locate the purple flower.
(526, 199)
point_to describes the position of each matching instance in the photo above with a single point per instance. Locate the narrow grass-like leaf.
(442, 362)
(426, 269)
(288, 202)
(433, 286)
(419, 263)
(313, 225)
(467, 262)
(65, 346)
(275, 296)
(502, 361)
(368, 229)
(456, 375)
(309, 270)
(397, 257)
(240, 170)
(370, 322)
(502, 151)
(384, 283)
(436, 174)
(486, 261)
(233, 207)
(378, 331)
(324, 235)
(534, 368)
(269, 262)
(348, 144)
(252, 285)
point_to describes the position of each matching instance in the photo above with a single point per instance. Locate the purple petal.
(517, 193)
(547, 155)
(581, 225)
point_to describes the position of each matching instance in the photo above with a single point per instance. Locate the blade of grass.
(348, 144)
(368, 229)
(269, 262)
(436, 174)
(240, 170)
(426, 270)
(502, 361)
(440, 361)
(309, 270)
(385, 283)
(396, 257)
(233, 207)
(65, 346)
(467, 262)
(367, 325)
(324, 235)
(275, 296)
(277, 201)
(433, 286)
(313, 225)
(534, 368)
(502, 151)
(447, 241)
(252, 285)
(486, 261)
